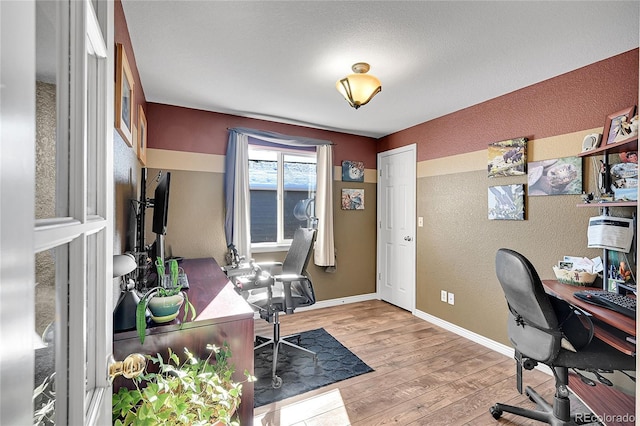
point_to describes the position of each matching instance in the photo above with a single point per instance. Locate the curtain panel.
(237, 196)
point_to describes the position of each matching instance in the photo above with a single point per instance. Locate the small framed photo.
(617, 126)
(124, 96)
(142, 136)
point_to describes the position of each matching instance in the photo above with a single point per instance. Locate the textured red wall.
(184, 129)
(121, 35)
(578, 100)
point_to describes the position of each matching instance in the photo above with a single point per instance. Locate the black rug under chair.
(298, 370)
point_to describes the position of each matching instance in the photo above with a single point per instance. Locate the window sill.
(269, 247)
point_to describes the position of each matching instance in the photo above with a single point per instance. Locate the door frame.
(412, 148)
(17, 192)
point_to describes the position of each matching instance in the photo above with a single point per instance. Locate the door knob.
(408, 238)
(132, 366)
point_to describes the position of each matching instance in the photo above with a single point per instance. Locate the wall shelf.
(610, 204)
(613, 148)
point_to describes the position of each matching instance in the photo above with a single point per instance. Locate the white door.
(396, 226)
(56, 210)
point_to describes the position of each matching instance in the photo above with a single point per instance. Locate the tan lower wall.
(195, 226)
(195, 229)
(457, 245)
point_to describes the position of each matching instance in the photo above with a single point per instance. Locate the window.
(280, 180)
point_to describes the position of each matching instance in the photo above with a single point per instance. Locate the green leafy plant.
(141, 309)
(193, 392)
(44, 402)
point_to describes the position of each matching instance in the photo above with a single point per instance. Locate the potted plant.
(164, 303)
(193, 392)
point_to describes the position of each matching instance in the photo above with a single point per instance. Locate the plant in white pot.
(164, 303)
(193, 392)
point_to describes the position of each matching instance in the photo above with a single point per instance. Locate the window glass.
(263, 186)
(299, 185)
(280, 182)
(48, 277)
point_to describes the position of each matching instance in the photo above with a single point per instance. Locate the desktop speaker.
(591, 141)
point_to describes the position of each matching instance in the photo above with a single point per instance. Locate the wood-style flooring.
(424, 375)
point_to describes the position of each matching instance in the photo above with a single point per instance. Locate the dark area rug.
(297, 369)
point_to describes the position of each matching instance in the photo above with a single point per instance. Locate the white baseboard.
(470, 335)
(474, 337)
(333, 302)
(341, 301)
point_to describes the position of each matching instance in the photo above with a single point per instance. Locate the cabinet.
(222, 316)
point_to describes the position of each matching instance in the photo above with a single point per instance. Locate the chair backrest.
(300, 251)
(533, 325)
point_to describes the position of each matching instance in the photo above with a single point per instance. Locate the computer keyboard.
(616, 302)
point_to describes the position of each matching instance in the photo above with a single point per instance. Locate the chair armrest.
(236, 271)
(286, 280)
(289, 278)
(253, 282)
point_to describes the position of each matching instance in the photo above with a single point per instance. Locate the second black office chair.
(545, 329)
(270, 294)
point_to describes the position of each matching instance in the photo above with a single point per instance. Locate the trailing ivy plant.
(194, 392)
(141, 309)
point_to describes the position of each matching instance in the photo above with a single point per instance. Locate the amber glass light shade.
(359, 88)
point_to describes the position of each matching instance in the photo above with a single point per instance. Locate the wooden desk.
(222, 316)
(612, 328)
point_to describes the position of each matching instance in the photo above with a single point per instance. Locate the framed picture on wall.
(617, 126)
(352, 171)
(124, 96)
(352, 199)
(506, 202)
(507, 158)
(142, 136)
(558, 176)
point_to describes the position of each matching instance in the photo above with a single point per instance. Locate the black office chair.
(545, 329)
(270, 294)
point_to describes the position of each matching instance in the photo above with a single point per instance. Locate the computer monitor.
(161, 205)
(161, 212)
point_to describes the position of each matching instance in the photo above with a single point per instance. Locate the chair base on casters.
(558, 416)
(276, 341)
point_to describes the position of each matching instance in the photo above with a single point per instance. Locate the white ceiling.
(280, 60)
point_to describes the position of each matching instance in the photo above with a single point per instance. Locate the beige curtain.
(324, 253)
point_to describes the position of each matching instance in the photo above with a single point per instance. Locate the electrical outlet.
(451, 299)
(443, 296)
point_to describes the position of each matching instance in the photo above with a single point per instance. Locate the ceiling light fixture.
(359, 88)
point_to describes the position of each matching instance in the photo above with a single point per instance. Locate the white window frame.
(281, 243)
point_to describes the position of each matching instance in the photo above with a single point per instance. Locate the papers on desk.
(612, 233)
(581, 264)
